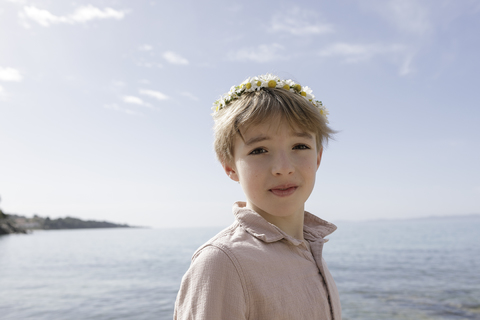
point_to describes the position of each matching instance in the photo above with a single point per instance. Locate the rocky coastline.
(8, 226)
(12, 223)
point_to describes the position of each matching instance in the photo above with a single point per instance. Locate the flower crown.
(268, 81)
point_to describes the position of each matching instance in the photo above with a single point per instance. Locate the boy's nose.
(282, 165)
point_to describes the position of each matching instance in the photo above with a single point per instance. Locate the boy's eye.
(258, 151)
(301, 146)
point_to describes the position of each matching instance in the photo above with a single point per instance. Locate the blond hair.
(253, 108)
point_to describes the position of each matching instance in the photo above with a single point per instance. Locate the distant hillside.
(11, 223)
(460, 216)
(7, 225)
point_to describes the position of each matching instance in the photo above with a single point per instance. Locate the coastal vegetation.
(12, 223)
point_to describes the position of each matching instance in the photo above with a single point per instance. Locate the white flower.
(256, 83)
(289, 82)
(307, 90)
(263, 84)
(280, 84)
(267, 77)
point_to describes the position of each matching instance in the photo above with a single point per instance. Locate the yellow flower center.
(286, 87)
(249, 85)
(272, 84)
(297, 87)
(303, 93)
(259, 83)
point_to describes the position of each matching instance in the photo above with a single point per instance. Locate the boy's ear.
(319, 157)
(230, 171)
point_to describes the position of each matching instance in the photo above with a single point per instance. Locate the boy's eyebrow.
(303, 135)
(256, 139)
(262, 137)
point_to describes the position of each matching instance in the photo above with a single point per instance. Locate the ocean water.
(415, 269)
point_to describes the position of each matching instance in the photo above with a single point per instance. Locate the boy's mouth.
(284, 190)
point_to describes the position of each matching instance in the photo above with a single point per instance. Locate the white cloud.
(81, 15)
(298, 22)
(155, 94)
(189, 95)
(409, 16)
(10, 74)
(42, 17)
(115, 107)
(148, 64)
(136, 100)
(145, 47)
(353, 53)
(358, 52)
(175, 58)
(262, 53)
(406, 67)
(133, 100)
(87, 13)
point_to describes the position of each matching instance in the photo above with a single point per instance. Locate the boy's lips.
(284, 190)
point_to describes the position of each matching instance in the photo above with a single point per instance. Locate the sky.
(105, 106)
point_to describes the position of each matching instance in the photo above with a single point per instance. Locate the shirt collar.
(314, 228)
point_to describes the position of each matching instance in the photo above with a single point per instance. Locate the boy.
(267, 265)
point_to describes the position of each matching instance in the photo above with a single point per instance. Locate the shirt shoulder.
(224, 241)
(213, 287)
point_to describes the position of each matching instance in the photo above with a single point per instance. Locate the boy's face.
(276, 167)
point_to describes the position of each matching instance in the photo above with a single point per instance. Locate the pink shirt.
(254, 270)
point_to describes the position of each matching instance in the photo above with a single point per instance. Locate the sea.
(402, 269)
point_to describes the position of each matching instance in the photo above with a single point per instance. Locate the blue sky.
(105, 105)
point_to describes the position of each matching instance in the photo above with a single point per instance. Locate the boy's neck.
(291, 224)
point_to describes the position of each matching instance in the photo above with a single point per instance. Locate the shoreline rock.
(9, 227)
(12, 223)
